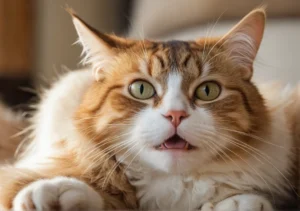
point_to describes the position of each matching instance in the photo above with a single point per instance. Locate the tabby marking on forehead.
(174, 56)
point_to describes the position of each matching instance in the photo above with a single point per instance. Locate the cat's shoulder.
(278, 94)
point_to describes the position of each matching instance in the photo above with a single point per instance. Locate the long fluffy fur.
(97, 132)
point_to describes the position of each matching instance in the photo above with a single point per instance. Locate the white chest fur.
(173, 192)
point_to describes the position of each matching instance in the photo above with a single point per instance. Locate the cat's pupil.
(141, 89)
(206, 89)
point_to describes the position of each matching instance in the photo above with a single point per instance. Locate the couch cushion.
(153, 17)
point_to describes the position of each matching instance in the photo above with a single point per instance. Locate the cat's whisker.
(212, 48)
(238, 143)
(111, 148)
(106, 141)
(114, 148)
(113, 137)
(109, 141)
(99, 115)
(266, 158)
(213, 149)
(214, 56)
(205, 43)
(241, 146)
(99, 144)
(125, 155)
(211, 141)
(277, 127)
(272, 164)
(132, 160)
(233, 161)
(208, 35)
(141, 34)
(252, 136)
(216, 22)
(104, 154)
(246, 134)
(93, 153)
(250, 166)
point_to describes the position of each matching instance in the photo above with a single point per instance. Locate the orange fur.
(106, 112)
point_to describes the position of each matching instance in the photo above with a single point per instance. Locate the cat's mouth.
(175, 143)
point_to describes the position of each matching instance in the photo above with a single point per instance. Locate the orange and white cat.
(161, 125)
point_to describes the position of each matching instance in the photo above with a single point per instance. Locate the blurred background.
(37, 36)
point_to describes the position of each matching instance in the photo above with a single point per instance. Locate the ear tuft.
(244, 40)
(70, 10)
(98, 48)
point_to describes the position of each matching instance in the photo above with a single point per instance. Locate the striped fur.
(89, 127)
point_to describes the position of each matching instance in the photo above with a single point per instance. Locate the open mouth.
(175, 143)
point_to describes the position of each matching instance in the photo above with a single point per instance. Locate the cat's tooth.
(186, 145)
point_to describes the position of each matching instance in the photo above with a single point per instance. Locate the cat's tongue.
(175, 143)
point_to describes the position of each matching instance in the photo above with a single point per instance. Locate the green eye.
(208, 91)
(141, 90)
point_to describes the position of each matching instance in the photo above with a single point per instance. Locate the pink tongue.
(175, 144)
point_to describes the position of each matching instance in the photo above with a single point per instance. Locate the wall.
(55, 34)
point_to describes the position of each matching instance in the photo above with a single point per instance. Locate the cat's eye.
(142, 90)
(208, 91)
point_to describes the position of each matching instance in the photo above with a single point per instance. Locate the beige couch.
(55, 35)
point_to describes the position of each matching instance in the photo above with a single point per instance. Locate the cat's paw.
(245, 202)
(59, 193)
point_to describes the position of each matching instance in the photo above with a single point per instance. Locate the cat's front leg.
(59, 193)
(244, 202)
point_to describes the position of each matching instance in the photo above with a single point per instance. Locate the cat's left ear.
(99, 49)
(243, 41)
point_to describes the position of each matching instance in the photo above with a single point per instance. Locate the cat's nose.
(176, 116)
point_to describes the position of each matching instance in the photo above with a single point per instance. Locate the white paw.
(59, 193)
(245, 202)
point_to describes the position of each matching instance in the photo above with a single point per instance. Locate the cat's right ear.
(99, 49)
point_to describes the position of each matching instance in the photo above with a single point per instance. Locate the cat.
(161, 125)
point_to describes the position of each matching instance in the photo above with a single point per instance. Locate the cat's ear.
(99, 49)
(243, 40)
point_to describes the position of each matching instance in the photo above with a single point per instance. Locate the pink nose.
(176, 117)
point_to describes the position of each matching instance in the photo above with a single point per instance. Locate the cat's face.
(173, 105)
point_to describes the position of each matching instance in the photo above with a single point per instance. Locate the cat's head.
(175, 105)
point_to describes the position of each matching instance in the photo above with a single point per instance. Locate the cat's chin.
(175, 143)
